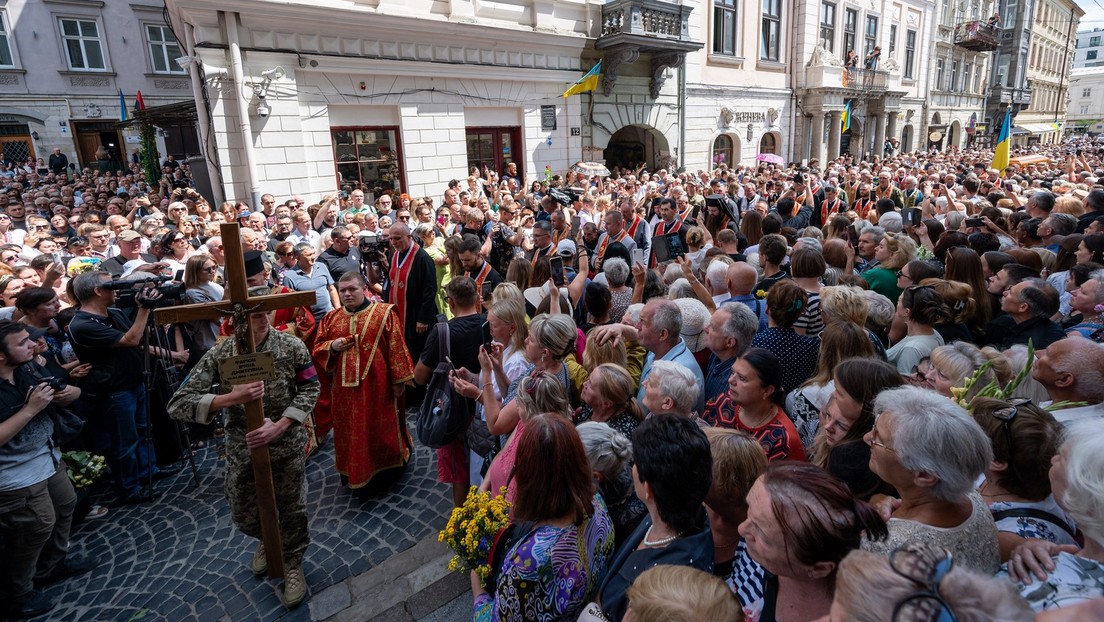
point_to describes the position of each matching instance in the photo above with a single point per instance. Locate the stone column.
(816, 151)
(835, 126)
(892, 129)
(879, 133)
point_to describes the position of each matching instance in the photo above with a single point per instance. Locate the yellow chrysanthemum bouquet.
(472, 529)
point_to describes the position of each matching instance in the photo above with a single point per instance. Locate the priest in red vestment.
(360, 345)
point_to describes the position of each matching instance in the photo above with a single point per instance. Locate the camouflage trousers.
(288, 460)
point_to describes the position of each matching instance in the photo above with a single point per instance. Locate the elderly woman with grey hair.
(670, 389)
(932, 452)
(610, 455)
(617, 274)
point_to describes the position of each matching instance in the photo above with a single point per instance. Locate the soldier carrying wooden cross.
(266, 380)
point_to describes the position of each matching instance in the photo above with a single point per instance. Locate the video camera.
(566, 197)
(129, 290)
(372, 248)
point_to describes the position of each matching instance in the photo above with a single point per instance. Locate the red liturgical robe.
(369, 424)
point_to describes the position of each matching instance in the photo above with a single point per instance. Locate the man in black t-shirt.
(114, 396)
(465, 338)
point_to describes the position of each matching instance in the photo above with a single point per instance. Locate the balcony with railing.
(632, 27)
(855, 82)
(977, 35)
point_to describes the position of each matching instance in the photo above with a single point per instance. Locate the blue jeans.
(122, 425)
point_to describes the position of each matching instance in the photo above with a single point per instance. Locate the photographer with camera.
(103, 337)
(36, 497)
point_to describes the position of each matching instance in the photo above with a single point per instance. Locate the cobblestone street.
(180, 558)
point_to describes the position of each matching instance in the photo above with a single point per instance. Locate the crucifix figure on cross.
(266, 380)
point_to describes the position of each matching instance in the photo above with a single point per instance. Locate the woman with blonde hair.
(508, 326)
(681, 594)
(949, 366)
(609, 397)
(611, 351)
(1068, 204)
(540, 393)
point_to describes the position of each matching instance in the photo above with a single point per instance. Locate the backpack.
(444, 414)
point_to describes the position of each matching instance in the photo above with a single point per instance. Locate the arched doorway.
(954, 134)
(770, 143)
(906, 139)
(725, 150)
(633, 145)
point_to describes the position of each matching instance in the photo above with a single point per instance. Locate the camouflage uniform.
(292, 393)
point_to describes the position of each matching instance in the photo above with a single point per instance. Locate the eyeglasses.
(926, 566)
(40, 227)
(211, 269)
(343, 238)
(404, 217)
(874, 442)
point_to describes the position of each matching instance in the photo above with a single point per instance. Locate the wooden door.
(87, 144)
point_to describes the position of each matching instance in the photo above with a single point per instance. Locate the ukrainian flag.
(846, 117)
(1000, 156)
(588, 82)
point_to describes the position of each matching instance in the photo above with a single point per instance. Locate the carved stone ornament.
(612, 61)
(660, 63)
(823, 58)
(726, 116)
(913, 19)
(891, 65)
(772, 116)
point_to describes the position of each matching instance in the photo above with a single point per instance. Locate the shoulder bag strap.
(442, 338)
(1035, 513)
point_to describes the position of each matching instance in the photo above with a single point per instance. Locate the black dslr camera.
(372, 248)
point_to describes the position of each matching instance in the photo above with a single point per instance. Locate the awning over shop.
(1036, 128)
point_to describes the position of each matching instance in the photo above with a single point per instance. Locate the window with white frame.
(164, 49)
(910, 52)
(726, 27)
(892, 39)
(6, 58)
(939, 73)
(83, 48)
(828, 25)
(871, 33)
(1086, 92)
(850, 25)
(770, 42)
(966, 74)
(951, 84)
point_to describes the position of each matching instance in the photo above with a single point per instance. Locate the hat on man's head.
(566, 248)
(128, 236)
(254, 263)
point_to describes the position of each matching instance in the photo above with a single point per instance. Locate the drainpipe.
(204, 121)
(682, 114)
(230, 25)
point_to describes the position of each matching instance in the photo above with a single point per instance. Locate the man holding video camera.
(103, 337)
(36, 497)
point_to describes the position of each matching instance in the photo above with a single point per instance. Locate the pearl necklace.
(661, 541)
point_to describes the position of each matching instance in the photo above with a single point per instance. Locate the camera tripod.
(152, 336)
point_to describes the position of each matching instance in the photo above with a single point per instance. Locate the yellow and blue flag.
(1000, 156)
(588, 82)
(846, 116)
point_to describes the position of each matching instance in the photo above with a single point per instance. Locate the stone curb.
(407, 586)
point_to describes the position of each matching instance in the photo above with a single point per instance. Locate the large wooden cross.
(238, 305)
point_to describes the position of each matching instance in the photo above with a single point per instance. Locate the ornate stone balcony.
(853, 82)
(632, 27)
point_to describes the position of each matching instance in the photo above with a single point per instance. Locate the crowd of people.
(858, 389)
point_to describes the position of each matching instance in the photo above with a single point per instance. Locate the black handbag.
(67, 425)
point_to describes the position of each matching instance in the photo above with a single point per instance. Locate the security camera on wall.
(263, 109)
